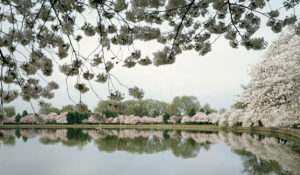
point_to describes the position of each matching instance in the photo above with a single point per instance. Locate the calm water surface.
(143, 152)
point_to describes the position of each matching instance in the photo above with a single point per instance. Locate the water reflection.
(254, 165)
(259, 154)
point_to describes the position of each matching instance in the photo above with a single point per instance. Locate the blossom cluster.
(131, 119)
(39, 119)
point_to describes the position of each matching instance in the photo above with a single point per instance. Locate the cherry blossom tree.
(62, 118)
(51, 118)
(273, 97)
(28, 119)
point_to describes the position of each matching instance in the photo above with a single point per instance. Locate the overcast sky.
(215, 78)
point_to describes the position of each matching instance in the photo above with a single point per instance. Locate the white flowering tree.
(273, 97)
(34, 34)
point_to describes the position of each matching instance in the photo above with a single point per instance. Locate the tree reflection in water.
(259, 154)
(7, 138)
(257, 166)
(76, 137)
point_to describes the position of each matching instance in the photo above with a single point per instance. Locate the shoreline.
(284, 133)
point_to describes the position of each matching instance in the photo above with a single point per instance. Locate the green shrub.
(296, 126)
(76, 117)
(18, 118)
(192, 112)
(24, 113)
(260, 124)
(238, 124)
(166, 117)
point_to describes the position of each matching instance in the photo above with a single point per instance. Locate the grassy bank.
(284, 133)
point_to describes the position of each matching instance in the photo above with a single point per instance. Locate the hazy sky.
(215, 78)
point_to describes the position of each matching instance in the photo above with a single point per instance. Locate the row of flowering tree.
(184, 105)
(222, 119)
(77, 118)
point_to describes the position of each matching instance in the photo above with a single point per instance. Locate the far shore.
(283, 133)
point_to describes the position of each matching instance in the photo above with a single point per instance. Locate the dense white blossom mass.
(274, 92)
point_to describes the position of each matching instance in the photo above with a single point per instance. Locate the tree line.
(180, 106)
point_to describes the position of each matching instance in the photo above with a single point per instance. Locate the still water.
(143, 152)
